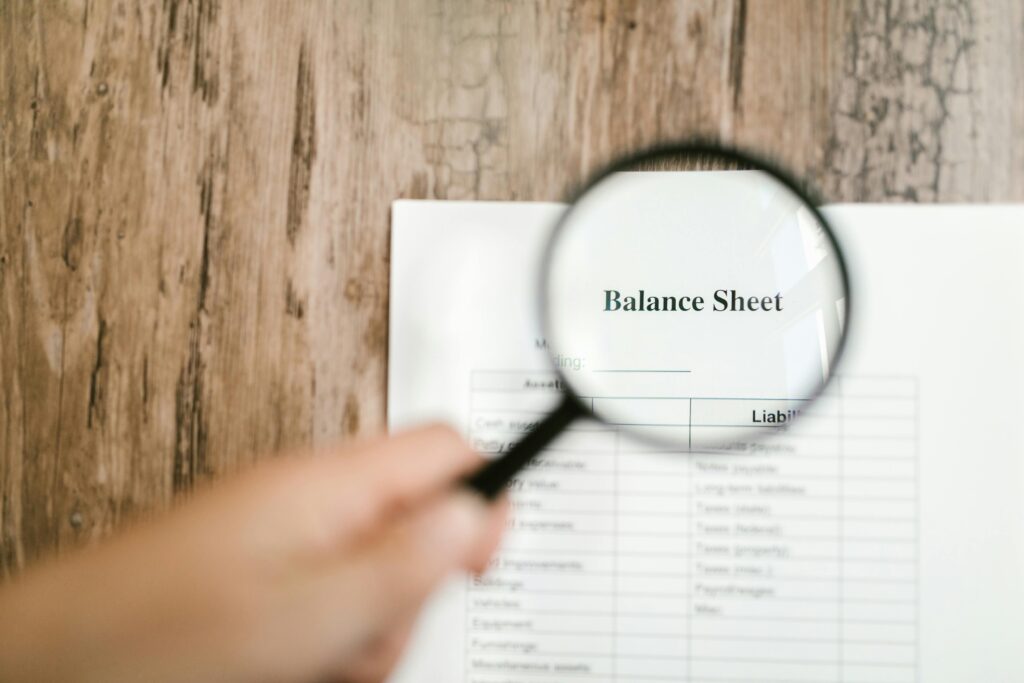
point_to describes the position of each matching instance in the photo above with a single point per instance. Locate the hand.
(304, 569)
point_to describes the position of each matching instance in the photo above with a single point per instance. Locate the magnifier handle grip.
(493, 477)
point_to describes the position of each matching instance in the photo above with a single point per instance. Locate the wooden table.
(195, 195)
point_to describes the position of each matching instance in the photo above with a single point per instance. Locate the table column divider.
(689, 541)
(615, 554)
(842, 475)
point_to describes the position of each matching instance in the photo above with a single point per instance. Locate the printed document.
(881, 541)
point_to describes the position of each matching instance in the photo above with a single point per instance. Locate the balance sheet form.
(881, 538)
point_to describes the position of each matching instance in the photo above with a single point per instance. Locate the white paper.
(882, 541)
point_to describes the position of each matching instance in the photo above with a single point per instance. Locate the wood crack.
(190, 446)
(737, 46)
(190, 420)
(303, 146)
(95, 387)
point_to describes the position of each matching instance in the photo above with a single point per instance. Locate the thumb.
(393, 572)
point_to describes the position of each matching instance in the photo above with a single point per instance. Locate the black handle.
(492, 478)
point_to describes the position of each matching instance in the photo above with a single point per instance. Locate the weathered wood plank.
(194, 198)
(927, 103)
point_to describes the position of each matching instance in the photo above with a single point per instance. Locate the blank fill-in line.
(659, 371)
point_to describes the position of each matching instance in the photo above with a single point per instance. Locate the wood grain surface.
(194, 205)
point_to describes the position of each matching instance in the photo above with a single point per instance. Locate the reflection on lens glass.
(707, 305)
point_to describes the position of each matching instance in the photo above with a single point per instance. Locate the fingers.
(489, 539)
(345, 492)
(412, 465)
(379, 659)
(392, 573)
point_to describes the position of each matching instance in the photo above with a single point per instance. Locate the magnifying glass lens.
(702, 300)
(705, 306)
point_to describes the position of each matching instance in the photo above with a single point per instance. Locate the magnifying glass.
(705, 296)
